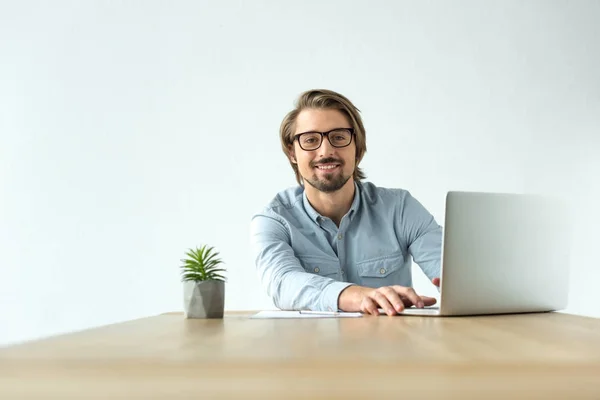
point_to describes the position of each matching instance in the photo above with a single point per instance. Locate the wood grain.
(550, 355)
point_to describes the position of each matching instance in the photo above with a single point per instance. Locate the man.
(335, 242)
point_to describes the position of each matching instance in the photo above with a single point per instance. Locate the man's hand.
(392, 299)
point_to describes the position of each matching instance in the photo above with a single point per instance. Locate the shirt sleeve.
(281, 274)
(423, 235)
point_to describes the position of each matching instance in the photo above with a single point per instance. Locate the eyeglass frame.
(297, 136)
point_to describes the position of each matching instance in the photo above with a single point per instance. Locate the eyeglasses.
(339, 137)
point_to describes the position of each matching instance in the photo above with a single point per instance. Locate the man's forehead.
(320, 120)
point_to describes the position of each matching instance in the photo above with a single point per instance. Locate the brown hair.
(324, 99)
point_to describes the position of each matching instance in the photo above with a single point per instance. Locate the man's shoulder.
(378, 194)
(284, 201)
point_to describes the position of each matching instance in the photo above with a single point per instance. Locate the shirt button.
(317, 270)
(340, 236)
(382, 271)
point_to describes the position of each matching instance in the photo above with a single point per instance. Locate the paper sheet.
(299, 314)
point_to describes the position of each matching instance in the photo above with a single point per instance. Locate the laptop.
(502, 254)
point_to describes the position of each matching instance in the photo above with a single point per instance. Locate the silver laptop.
(502, 253)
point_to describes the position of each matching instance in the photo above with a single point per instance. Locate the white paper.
(300, 314)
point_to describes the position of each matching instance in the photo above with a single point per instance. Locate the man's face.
(327, 168)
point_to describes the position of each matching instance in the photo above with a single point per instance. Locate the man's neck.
(332, 205)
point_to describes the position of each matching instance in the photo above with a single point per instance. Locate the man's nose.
(326, 148)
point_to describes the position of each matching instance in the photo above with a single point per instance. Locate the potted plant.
(203, 283)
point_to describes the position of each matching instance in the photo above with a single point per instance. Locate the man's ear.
(359, 158)
(292, 154)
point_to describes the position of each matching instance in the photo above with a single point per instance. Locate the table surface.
(547, 355)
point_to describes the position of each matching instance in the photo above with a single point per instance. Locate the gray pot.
(204, 299)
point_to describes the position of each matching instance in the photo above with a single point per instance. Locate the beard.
(329, 182)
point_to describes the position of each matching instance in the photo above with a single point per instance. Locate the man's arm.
(281, 274)
(423, 236)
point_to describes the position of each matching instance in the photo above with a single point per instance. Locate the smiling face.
(327, 168)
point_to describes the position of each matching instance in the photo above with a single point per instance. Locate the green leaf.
(214, 262)
(202, 263)
(192, 255)
(192, 277)
(216, 277)
(215, 270)
(212, 258)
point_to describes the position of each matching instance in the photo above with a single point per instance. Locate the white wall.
(131, 131)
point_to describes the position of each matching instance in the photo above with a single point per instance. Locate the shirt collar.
(316, 217)
(356, 201)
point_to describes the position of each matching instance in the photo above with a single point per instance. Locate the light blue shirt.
(304, 260)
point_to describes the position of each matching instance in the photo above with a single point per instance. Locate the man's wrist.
(350, 298)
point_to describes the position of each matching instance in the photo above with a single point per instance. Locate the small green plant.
(202, 264)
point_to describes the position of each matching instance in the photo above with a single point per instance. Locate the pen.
(319, 312)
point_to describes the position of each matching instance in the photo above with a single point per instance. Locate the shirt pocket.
(382, 271)
(321, 266)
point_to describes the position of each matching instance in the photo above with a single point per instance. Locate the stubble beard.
(330, 182)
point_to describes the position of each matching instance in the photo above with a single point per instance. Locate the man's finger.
(393, 297)
(427, 301)
(368, 306)
(410, 294)
(436, 281)
(383, 302)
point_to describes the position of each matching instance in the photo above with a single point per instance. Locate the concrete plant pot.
(205, 299)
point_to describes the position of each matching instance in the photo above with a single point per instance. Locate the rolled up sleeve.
(281, 274)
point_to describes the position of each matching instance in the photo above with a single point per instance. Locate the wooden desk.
(534, 356)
